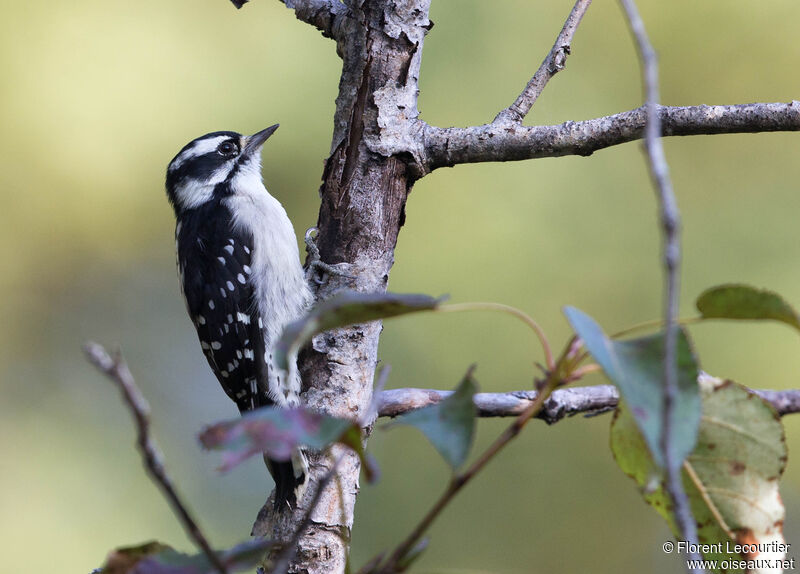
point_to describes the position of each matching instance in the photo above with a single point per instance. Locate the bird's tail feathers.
(291, 479)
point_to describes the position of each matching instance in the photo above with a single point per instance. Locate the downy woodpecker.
(240, 275)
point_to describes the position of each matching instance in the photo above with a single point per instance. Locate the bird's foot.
(316, 269)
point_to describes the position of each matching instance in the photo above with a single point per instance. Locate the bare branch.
(784, 402)
(670, 222)
(445, 147)
(562, 403)
(552, 64)
(117, 370)
(321, 14)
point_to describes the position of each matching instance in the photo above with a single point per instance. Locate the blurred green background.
(97, 96)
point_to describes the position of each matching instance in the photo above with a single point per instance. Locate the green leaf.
(731, 477)
(346, 308)
(636, 367)
(157, 558)
(450, 424)
(746, 302)
(634, 458)
(277, 432)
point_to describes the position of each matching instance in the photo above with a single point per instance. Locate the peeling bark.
(322, 14)
(365, 185)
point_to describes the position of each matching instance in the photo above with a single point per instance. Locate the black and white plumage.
(240, 275)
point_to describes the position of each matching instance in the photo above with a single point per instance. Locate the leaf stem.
(707, 499)
(513, 311)
(655, 323)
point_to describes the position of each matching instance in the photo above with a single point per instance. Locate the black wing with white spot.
(216, 276)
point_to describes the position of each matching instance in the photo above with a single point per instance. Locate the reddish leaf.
(157, 558)
(277, 432)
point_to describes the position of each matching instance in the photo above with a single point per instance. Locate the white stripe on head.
(198, 148)
(191, 193)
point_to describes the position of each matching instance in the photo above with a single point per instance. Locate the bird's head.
(205, 165)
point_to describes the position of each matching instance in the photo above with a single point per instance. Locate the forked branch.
(553, 63)
(446, 147)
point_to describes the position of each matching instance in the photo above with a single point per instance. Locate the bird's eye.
(227, 148)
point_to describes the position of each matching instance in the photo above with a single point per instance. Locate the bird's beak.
(255, 141)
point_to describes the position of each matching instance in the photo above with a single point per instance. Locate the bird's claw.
(316, 269)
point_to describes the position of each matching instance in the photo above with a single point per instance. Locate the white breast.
(282, 293)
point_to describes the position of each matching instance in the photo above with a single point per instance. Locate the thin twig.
(117, 370)
(562, 403)
(283, 561)
(458, 481)
(670, 221)
(553, 63)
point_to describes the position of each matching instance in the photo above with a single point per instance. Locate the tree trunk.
(366, 181)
